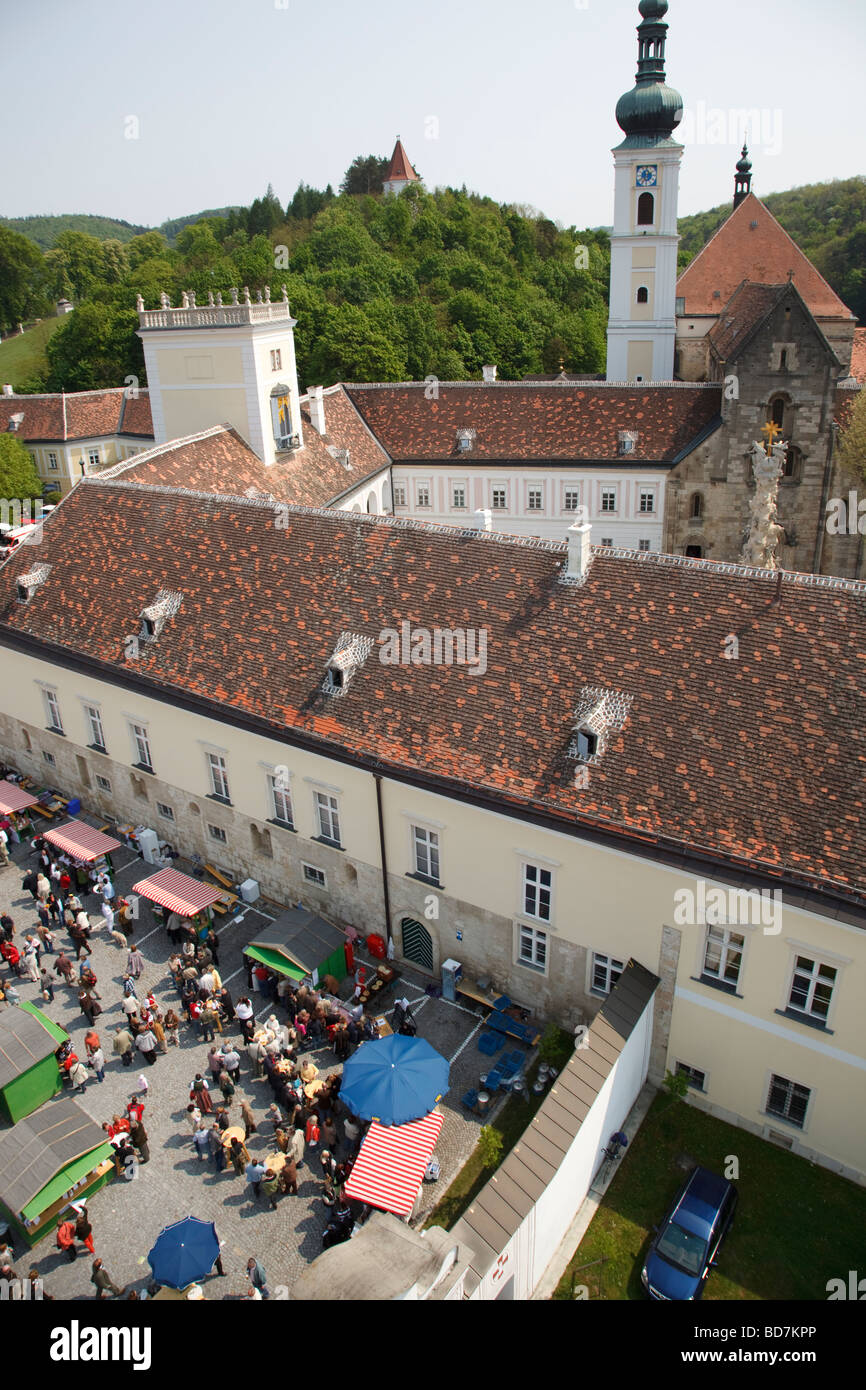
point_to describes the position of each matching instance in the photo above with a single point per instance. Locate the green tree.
(18, 476)
(366, 174)
(489, 1146)
(83, 261)
(22, 279)
(148, 247)
(95, 347)
(852, 440)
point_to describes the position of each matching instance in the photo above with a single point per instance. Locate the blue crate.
(502, 1003)
(470, 1100)
(488, 1043)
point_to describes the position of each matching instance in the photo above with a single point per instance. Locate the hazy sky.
(514, 99)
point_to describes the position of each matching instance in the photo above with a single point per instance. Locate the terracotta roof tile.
(560, 420)
(78, 415)
(748, 306)
(756, 761)
(764, 254)
(400, 168)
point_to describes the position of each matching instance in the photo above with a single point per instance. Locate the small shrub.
(490, 1146)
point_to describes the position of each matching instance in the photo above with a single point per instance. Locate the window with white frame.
(93, 458)
(571, 500)
(165, 811)
(422, 494)
(606, 970)
(499, 499)
(788, 1100)
(218, 776)
(723, 955)
(328, 815)
(425, 852)
(607, 540)
(696, 1079)
(399, 494)
(276, 359)
(103, 783)
(52, 709)
(608, 499)
(812, 988)
(141, 746)
(537, 890)
(94, 724)
(532, 947)
(534, 499)
(458, 497)
(52, 461)
(647, 501)
(314, 875)
(217, 833)
(281, 800)
(643, 546)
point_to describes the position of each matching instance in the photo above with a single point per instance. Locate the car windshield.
(679, 1247)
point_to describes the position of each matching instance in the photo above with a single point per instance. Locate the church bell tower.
(641, 330)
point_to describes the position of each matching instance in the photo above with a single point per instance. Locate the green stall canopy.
(299, 942)
(274, 961)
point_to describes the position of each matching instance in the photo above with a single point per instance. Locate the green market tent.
(298, 943)
(29, 1074)
(55, 1156)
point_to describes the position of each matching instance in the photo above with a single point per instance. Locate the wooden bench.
(43, 810)
(471, 991)
(220, 877)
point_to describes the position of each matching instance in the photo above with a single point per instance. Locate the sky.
(156, 110)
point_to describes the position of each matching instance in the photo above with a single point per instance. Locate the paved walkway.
(127, 1216)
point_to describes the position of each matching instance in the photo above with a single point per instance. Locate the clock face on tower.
(646, 175)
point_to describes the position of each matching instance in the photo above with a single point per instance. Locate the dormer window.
(156, 615)
(281, 417)
(587, 744)
(465, 440)
(628, 440)
(599, 714)
(349, 656)
(15, 422)
(27, 584)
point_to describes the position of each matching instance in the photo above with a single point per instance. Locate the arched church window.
(697, 508)
(646, 210)
(643, 295)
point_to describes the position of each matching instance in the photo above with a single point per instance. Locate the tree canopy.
(18, 476)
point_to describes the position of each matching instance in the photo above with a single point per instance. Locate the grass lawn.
(796, 1225)
(24, 355)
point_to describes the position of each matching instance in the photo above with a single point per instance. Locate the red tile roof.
(757, 762)
(763, 254)
(400, 168)
(560, 420)
(63, 416)
(748, 306)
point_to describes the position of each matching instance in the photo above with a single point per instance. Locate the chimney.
(487, 518)
(578, 550)
(317, 408)
(489, 375)
(7, 389)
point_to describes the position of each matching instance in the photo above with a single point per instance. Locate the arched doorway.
(417, 943)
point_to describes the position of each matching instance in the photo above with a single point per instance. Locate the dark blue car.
(686, 1244)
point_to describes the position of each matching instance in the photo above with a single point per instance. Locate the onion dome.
(651, 109)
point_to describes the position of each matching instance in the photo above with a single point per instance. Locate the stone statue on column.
(764, 532)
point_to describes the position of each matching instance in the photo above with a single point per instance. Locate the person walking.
(207, 1023)
(171, 1024)
(255, 1172)
(97, 1061)
(65, 966)
(201, 1142)
(65, 1239)
(200, 1094)
(215, 1062)
(248, 1118)
(256, 1054)
(257, 1277)
(43, 887)
(297, 1145)
(135, 963)
(89, 1006)
(138, 1135)
(122, 1045)
(156, 1025)
(104, 1283)
(271, 1187)
(217, 1148)
(239, 1155)
(46, 984)
(232, 1063)
(312, 1133)
(146, 1044)
(78, 1076)
(227, 1086)
(84, 1230)
(245, 1017)
(289, 1176)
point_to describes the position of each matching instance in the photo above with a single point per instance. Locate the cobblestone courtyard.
(128, 1215)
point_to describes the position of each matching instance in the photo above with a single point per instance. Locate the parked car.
(686, 1245)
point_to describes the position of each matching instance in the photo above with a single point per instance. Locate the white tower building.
(641, 330)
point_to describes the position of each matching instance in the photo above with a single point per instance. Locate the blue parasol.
(184, 1252)
(394, 1080)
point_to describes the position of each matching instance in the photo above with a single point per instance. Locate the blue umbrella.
(184, 1252)
(394, 1080)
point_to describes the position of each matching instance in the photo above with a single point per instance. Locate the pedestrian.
(248, 1118)
(138, 1135)
(256, 1054)
(232, 1063)
(271, 1187)
(239, 1155)
(217, 1148)
(329, 1132)
(84, 1230)
(31, 965)
(193, 1115)
(65, 967)
(227, 1004)
(222, 1117)
(297, 1145)
(89, 1006)
(135, 963)
(65, 1239)
(158, 1031)
(257, 1277)
(201, 1143)
(4, 848)
(97, 1061)
(244, 1014)
(199, 1094)
(78, 1076)
(129, 1005)
(215, 1062)
(47, 985)
(122, 1045)
(104, 1282)
(289, 1176)
(43, 887)
(7, 926)
(171, 1024)
(29, 882)
(146, 1044)
(312, 1133)
(255, 1172)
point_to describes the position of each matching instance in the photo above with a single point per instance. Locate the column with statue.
(764, 532)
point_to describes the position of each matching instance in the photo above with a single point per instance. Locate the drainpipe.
(384, 857)
(818, 556)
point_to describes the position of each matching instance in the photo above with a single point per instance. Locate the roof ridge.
(485, 386)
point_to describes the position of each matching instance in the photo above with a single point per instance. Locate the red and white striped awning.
(81, 841)
(178, 892)
(14, 798)
(392, 1162)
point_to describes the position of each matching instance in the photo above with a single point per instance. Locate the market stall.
(55, 1156)
(188, 898)
(391, 1164)
(29, 1074)
(82, 842)
(15, 803)
(299, 944)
